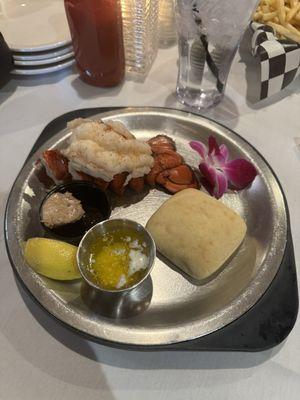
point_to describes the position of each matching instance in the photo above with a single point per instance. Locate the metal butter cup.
(106, 227)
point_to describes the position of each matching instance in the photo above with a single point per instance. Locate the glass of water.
(209, 32)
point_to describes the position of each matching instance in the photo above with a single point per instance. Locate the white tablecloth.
(39, 359)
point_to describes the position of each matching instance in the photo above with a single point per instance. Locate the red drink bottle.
(96, 30)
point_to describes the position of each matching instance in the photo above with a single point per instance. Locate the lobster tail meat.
(180, 175)
(177, 179)
(82, 176)
(151, 177)
(137, 184)
(56, 165)
(169, 170)
(117, 185)
(108, 155)
(101, 183)
(162, 141)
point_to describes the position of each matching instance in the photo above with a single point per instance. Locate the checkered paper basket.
(279, 59)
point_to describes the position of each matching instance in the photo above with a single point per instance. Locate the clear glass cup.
(209, 32)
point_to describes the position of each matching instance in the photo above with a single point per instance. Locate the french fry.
(285, 32)
(295, 23)
(292, 29)
(281, 11)
(265, 9)
(269, 16)
(293, 11)
(258, 15)
(282, 15)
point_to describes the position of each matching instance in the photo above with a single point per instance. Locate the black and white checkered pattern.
(280, 59)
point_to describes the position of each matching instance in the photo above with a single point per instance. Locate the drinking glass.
(209, 32)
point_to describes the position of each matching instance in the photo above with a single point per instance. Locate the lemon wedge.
(52, 258)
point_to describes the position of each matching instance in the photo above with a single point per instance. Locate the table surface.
(41, 359)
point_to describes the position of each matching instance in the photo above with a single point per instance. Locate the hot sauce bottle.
(96, 30)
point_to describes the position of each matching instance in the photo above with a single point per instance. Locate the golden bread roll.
(196, 232)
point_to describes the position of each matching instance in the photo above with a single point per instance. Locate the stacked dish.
(37, 32)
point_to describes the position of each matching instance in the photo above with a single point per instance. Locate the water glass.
(209, 32)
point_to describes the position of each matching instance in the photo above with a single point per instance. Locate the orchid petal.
(200, 148)
(213, 147)
(218, 172)
(222, 157)
(207, 185)
(222, 185)
(224, 152)
(208, 172)
(215, 182)
(240, 173)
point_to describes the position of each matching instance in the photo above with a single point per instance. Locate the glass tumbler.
(209, 32)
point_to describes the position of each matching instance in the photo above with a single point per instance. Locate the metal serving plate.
(172, 309)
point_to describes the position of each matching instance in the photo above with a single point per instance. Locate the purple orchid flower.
(218, 172)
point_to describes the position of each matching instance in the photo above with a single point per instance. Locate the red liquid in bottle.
(96, 30)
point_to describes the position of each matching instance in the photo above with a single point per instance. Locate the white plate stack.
(37, 32)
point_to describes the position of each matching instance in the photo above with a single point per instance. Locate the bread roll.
(196, 232)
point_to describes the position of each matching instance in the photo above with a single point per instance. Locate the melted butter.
(111, 258)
